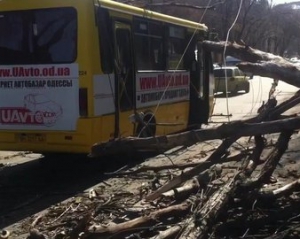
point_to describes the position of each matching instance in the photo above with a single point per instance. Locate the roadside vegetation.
(260, 23)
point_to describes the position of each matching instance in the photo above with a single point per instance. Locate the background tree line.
(260, 23)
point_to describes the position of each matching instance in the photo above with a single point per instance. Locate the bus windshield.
(39, 36)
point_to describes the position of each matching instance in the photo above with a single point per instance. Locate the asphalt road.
(243, 105)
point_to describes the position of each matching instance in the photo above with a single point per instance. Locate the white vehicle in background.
(236, 80)
(295, 61)
(45, 110)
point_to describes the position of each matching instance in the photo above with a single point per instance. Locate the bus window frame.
(179, 62)
(104, 24)
(75, 50)
(129, 66)
(150, 64)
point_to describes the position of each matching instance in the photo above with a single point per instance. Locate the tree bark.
(194, 185)
(272, 161)
(209, 212)
(236, 130)
(258, 62)
(218, 202)
(118, 230)
(170, 233)
(243, 52)
(282, 191)
(254, 159)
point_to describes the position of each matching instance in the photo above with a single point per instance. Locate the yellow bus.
(73, 73)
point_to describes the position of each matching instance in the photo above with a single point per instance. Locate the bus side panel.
(77, 135)
(177, 114)
(44, 141)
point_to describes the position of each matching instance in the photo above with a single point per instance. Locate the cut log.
(118, 230)
(191, 137)
(194, 185)
(163, 143)
(189, 187)
(282, 191)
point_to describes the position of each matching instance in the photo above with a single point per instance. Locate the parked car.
(236, 80)
(231, 61)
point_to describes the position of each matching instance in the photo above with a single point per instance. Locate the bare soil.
(119, 198)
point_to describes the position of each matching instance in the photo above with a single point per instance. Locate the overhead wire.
(177, 66)
(224, 60)
(252, 100)
(227, 36)
(146, 124)
(224, 56)
(258, 97)
(260, 91)
(181, 58)
(166, 88)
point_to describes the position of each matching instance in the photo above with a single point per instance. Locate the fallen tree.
(258, 62)
(254, 61)
(202, 198)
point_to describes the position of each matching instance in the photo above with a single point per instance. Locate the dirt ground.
(120, 198)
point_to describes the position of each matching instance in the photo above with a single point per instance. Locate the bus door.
(124, 81)
(199, 88)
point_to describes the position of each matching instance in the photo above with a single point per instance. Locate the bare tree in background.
(260, 24)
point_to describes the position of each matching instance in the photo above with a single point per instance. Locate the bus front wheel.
(147, 127)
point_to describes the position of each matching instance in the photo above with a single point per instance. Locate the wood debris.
(222, 193)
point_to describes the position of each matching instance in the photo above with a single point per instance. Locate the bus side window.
(176, 43)
(148, 42)
(105, 43)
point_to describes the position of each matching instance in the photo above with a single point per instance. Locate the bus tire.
(148, 127)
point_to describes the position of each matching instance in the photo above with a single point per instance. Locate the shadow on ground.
(230, 95)
(31, 187)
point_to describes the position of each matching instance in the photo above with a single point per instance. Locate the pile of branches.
(207, 199)
(224, 195)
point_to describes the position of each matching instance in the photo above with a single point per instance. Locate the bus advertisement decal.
(39, 97)
(165, 87)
